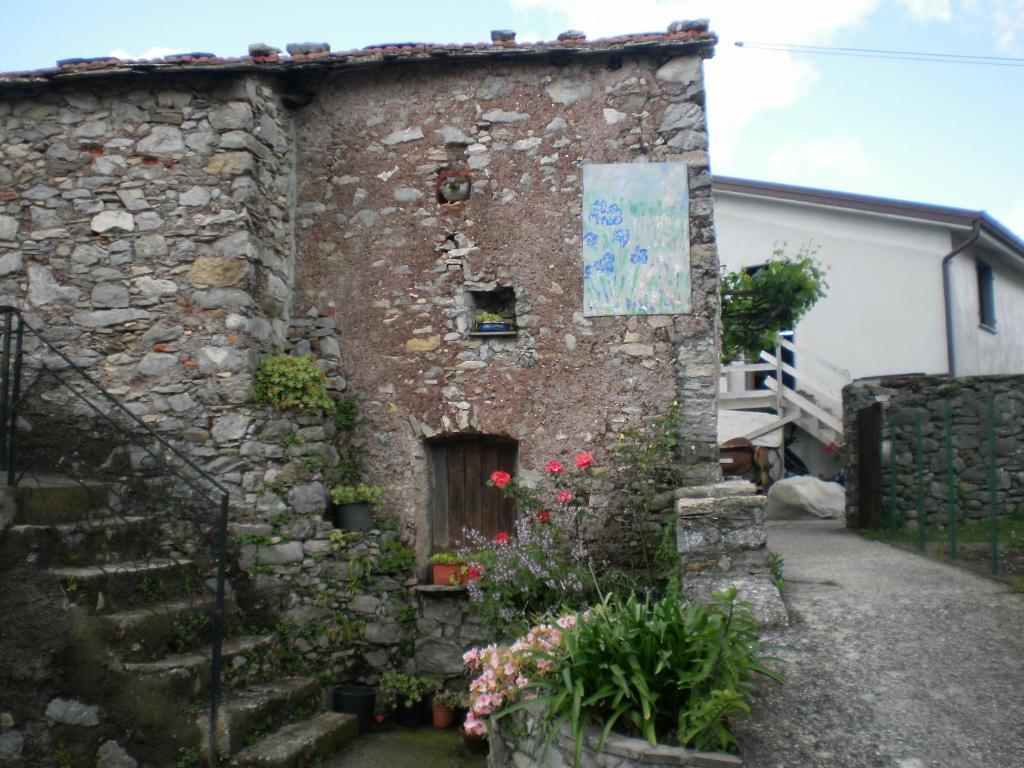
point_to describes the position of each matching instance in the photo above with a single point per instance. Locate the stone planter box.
(515, 742)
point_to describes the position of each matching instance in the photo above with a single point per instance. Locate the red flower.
(554, 467)
(543, 516)
(501, 538)
(583, 460)
(500, 479)
(475, 572)
(563, 497)
(831, 447)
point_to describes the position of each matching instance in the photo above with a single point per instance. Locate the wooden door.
(460, 497)
(869, 466)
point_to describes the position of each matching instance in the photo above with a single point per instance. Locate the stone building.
(166, 224)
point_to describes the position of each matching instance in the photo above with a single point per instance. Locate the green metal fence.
(952, 480)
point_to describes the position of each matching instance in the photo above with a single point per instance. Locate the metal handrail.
(10, 394)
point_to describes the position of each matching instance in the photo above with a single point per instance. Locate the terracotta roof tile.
(688, 34)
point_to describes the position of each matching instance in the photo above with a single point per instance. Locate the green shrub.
(490, 317)
(656, 669)
(408, 690)
(446, 558)
(290, 381)
(346, 414)
(356, 494)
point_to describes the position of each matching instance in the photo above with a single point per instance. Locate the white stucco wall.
(883, 313)
(978, 350)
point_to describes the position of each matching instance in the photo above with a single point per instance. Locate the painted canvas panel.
(636, 239)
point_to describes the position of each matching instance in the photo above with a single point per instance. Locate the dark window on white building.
(986, 296)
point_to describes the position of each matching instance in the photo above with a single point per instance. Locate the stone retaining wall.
(514, 741)
(968, 398)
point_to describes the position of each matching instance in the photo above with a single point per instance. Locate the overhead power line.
(876, 53)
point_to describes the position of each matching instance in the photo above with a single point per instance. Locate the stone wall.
(515, 741)
(398, 268)
(166, 230)
(903, 399)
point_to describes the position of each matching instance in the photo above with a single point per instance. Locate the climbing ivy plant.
(757, 306)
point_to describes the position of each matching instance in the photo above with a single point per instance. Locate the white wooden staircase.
(815, 405)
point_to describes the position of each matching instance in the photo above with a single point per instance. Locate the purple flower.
(621, 236)
(638, 256)
(590, 238)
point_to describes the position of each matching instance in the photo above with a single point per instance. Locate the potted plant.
(352, 505)
(359, 700)
(491, 322)
(448, 569)
(445, 704)
(406, 696)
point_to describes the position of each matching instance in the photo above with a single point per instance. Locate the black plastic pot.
(411, 717)
(359, 700)
(353, 517)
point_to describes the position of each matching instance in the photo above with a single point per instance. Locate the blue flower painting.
(636, 215)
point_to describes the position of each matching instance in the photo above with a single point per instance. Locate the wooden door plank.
(457, 518)
(474, 487)
(440, 537)
(506, 508)
(490, 498)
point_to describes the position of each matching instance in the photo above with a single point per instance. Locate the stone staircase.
(141, 643)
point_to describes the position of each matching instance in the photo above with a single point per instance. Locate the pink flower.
(500, 479)
(563, 497)
(554, 467)
(583, 460)
(501, 539)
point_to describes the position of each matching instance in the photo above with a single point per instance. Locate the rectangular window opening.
(986, 296)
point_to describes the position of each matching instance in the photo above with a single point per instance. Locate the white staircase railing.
(814, 404)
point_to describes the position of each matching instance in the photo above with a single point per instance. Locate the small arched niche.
(460, 466)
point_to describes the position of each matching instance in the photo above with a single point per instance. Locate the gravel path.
(891, 659)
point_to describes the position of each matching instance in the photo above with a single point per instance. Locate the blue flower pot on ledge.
(493, 327)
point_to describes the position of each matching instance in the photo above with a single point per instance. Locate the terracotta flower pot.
(444, 717)
(442, 574)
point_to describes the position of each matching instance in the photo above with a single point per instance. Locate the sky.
(940, 133)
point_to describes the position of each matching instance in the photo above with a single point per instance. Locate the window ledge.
(440, 589)
(989, 328)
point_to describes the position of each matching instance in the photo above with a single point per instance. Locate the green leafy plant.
(757, 305)
(356, 494)
(446, 558)
(775, 565)
(346, 414)
(395, 557)
(188, 757)
(656, 669)
(408, 690)
(452, 699)
(291, 381)
(490, 317)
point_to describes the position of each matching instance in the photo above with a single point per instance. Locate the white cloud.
(929, 10)
(741, 83)
(155, 52)
(835, 163)
(1014, 218)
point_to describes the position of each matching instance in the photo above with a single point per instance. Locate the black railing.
(56, 417)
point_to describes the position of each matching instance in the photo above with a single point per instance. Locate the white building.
(913, 288)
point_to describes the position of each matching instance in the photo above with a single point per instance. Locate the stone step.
(721, 490)
(158, 695)
(145, 634)
(126, 584)
(47, 500)
(300, 743)
(92, 541)
(253, 712)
